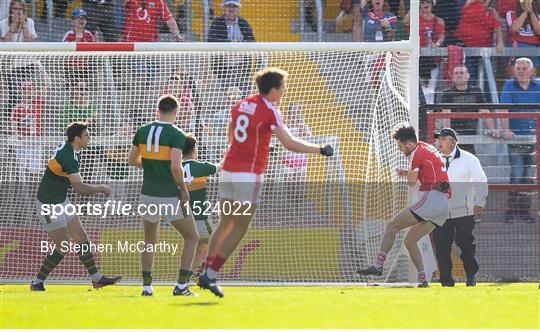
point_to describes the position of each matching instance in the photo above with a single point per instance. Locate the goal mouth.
(321, 227)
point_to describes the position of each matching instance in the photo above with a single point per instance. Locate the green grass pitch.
(486, 306)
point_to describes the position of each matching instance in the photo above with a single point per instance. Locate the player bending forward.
(431, 208)
(157, 149)
(62, 172)
(195, 175)
(253, 120)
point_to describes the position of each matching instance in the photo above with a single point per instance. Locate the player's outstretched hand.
(104, 189)
(327, 150)
(401, 172)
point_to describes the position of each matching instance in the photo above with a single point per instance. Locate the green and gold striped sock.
(147, 278)
(183, 276)
(50, 262)
(87, 259)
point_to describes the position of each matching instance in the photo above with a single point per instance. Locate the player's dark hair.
(269, 78)
(75, 129)
(404, 133)
(168, 104)
(191, 141)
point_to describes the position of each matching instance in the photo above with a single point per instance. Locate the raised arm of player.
(178, 173)
(87, 189)
(134, 157)
(296, 144)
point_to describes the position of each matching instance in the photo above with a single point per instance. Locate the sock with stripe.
(379, 261)
(86, 257)
(215, 266)
(183, 276)
(50, 262)
(147, 278)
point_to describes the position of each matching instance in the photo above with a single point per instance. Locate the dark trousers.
(522, 171)
(460, 230)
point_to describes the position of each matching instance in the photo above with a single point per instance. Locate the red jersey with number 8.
(431, 168)
(253, 120)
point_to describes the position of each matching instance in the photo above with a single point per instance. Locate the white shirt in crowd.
(468, 182)
(18, 36)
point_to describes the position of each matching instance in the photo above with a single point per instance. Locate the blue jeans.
(522, 171)
(522, 163)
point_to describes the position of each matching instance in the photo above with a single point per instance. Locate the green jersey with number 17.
(155, 141)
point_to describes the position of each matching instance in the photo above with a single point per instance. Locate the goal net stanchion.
(319, 220)
(505, 251)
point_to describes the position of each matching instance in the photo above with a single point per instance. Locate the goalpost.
(319, 220)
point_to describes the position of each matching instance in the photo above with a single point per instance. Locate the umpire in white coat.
(469, 192)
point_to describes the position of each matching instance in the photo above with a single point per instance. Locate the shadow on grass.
(202, 304)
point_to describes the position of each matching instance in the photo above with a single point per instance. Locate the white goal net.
(320, 219)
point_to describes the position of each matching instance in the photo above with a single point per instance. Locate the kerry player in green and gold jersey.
(157, 149)
(196, 174)
(63, 172)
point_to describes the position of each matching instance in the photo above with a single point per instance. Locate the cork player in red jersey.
(253, 121)
(431, 208)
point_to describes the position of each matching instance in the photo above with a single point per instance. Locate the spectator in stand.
(448, 11)
(520, 90)
(372, 23)
(230, 27)
(77, 68)
(17, 27)
(232, 70)
(78, 33)
(524, 26)
(475, 29)
(102, 19)
(26, 122)
(432, 28)
(432, 34)
(183, 87)
(141, 20)
(79, 107)
(463, 93)
(310, 13)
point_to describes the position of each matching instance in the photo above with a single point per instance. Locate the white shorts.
(205, 228)
(153, 208)
(29, 158)
(240, 186)
(52, 222)
(432, 206)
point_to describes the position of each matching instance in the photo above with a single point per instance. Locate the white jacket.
(468, 182)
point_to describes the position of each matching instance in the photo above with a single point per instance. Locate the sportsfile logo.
(109, 208)
(118, 208)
